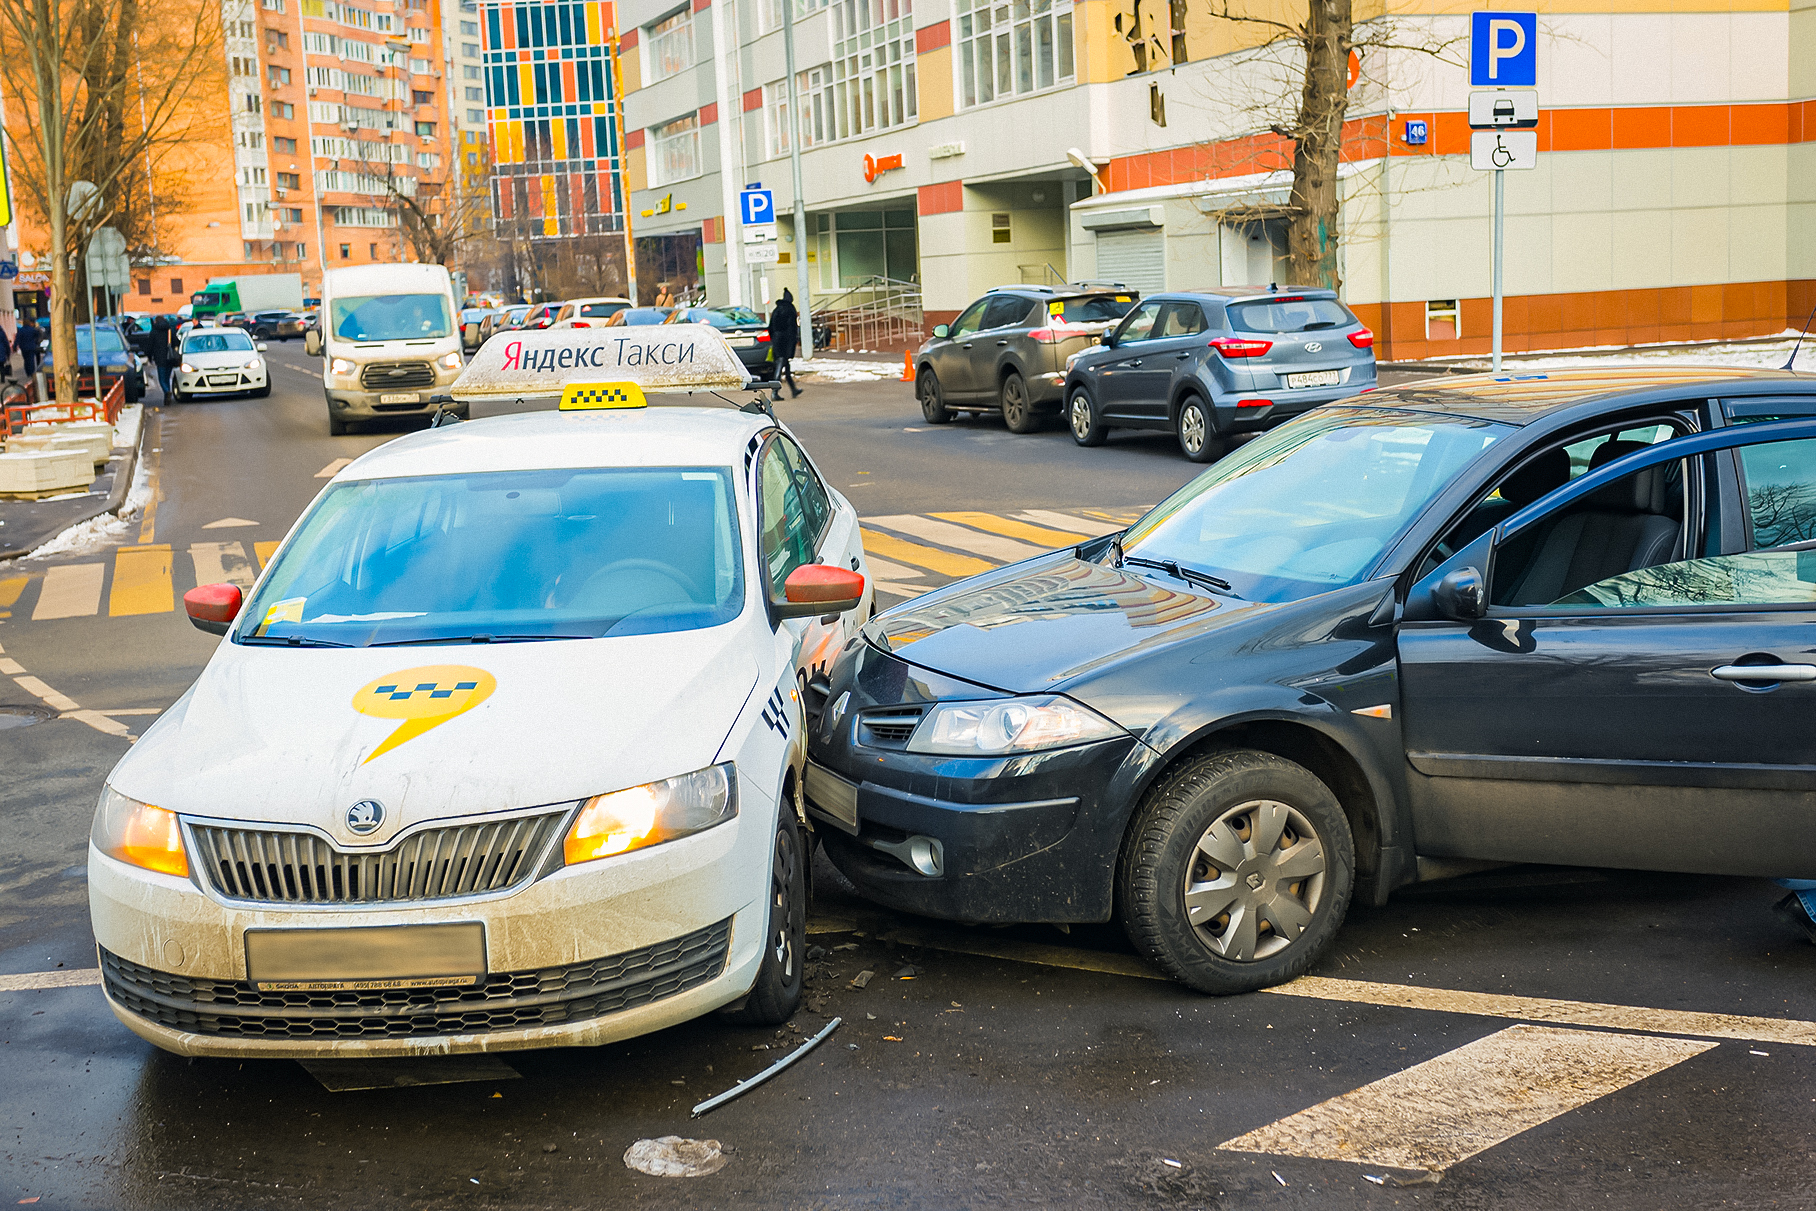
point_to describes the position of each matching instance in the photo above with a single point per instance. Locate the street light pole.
(802, 305)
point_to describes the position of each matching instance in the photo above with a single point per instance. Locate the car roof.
(1521, 399)
(599, 298)
(1068, 291)
(661, 436)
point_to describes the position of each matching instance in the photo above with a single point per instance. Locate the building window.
(776, 117)
(469, 29)
(277, 39)
(289, 180)
(293, 214)
(425, 130)
(282, 109)
(144, 285)
(671, 45)
(470, 72)
(283, 146)
(476, 94)
(346, 251)
(476, 116)
(675, 150)
(470, 49)
(1443, 320)
(243, 66)
(280, 76)
(253, 176)
(176, 285)
(272, 6)
(418, 34)
(1009, 49)
(422, 98)
(428, 159)
(372, 251)
(871, 81)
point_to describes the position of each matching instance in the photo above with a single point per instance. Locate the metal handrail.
(878, 311)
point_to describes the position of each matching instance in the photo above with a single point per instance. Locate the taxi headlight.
(1008, 725)
(650, 814)
(449, 361)
(139, 834)
(341, 366)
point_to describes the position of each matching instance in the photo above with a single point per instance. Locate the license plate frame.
(364, 958)
(401, 397)
(1314, 378)
(223, 380)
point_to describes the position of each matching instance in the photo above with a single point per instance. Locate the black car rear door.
(1657, 717)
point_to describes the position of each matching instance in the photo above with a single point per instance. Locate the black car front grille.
(889, 729)
(518, 1000)
(396, 376)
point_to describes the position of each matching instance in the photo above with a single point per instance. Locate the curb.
(116, 495)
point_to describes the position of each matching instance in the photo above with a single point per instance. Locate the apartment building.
(960, 144)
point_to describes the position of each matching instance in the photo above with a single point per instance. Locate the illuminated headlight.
(341, 366)
(254, 364)
(188, 369)
(139, 834)
(650, 814)
(448, 361)
(1009, 725)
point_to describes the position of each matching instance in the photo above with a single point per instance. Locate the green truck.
(253, 292)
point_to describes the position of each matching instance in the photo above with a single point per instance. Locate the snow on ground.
(849, 370)
(1769, 354)
(108, 530)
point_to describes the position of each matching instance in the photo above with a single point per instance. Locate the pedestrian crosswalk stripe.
(1096, 529)
(1041, 536)
(878, 543)
(263, 550)
(989, 546)
(141, 581)
(222, 563)
(71, 590)
(883, 569)
(1446, 1110)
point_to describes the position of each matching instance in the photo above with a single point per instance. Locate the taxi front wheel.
(1237, 872)
(777, 992)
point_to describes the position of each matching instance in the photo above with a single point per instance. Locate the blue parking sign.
(757, 206)
(1504, 50)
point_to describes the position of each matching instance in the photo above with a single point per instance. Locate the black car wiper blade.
(290, 641)
(401, 643)
(1172, 568)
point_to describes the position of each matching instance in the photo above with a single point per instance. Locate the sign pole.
(802, 304)
(1500, 224)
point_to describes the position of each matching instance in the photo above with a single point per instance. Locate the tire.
(1213, 808)
(933, 399)
(1087, 427)
(776, 994)
(337, 427)
(1018, 413)
(1197, 434)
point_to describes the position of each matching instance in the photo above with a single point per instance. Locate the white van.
(390, 339)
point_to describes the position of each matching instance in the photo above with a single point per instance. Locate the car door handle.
(1764, 672)
(1182, 356)
(967, 344)
(1002, 342)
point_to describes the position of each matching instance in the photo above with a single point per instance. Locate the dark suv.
(1008, 351)
(1207, 364)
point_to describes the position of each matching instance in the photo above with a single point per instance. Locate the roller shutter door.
(1136, 258)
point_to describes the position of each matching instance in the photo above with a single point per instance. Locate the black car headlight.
(1008, 725)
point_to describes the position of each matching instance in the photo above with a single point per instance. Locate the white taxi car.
(504, 748)
(221, 361)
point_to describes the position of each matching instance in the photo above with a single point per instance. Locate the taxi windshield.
(1311, 505)
(506, 556)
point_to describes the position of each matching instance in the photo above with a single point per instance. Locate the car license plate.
(400, 397)
(741, 342)
(1317, 378)
(385, 956)
(223, 380)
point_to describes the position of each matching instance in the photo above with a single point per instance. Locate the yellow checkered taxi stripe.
(580, 397)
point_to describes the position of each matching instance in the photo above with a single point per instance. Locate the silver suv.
(1008, 351)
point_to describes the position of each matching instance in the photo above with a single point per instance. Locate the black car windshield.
(1099, 310)
(391, 317)
(1313, 504)
(506, 555)
(230, 341)
(1289, 315)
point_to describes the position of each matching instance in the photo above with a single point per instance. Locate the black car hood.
(1031, 627)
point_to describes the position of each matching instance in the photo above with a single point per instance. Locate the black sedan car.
(1559, 618)
(745, 331)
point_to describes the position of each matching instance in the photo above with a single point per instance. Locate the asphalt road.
(1462, 1047)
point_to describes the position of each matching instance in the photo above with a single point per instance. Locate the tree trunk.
(1311, 233)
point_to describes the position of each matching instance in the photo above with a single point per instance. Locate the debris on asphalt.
(750, 1083)
(870, 1017)
(862, 978)
(1759, 1053)
(550, 1147)
(1278, 1178)
(815, 952)
(680, 1082)
(1376, 1178)
(906, 973)
(673, 1156)
(1171, 1163)
(759, 1047)
(846, 946)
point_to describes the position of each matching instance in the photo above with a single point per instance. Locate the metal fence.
(877, 314)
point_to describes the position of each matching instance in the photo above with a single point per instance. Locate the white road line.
(222, 563)
(68, 978)
(68, 707)
(1436, 1114)
(50, 697)
(332, 469)
(897, 589)
(1544, 1009)
(1066, 521)
(70, 590)
(976, 542)
(228, 523)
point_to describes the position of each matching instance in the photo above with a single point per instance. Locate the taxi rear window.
(1095, 309)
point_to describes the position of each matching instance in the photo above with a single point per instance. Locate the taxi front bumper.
(586, 955)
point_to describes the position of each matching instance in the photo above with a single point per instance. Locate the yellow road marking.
(1010, 528)
(877, 543)
(332, 469)
(1444, 1111)
(264, 550)
(990, 546)
(141, 581)
(71, 590)
(10, 588)
(222, 563)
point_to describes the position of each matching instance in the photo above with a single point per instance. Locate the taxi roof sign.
(581, 397)
(659, 358)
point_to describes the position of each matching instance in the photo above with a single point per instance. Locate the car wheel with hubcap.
(1236, 872)
(1197, 438)
(1082, 419)
(1018, 413)
(933, 399)
(777, 992)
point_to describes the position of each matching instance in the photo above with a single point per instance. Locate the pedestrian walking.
(162, 348)
(785, 338)
(30, 341)
(6, 357)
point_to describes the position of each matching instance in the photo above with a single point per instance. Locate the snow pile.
(1746, 354)
(108, 530)
(843, 370)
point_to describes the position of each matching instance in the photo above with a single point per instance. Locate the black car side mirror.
(941, 331)
(1461, 594)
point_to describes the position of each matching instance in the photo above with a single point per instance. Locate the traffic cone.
(907, 367)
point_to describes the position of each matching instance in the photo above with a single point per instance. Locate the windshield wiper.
(1203, 580)
(290, 641)
(401, 643)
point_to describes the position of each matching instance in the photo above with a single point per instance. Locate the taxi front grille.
(396, 376)
(519, 1000)
(272, 866)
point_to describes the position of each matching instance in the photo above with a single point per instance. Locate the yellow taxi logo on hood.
(423, 698)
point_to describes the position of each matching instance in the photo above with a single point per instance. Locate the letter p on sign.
(1504, 50)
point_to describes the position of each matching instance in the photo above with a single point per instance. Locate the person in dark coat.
(6, 357)
(785, 338)
(29, 341)
(163, 349)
